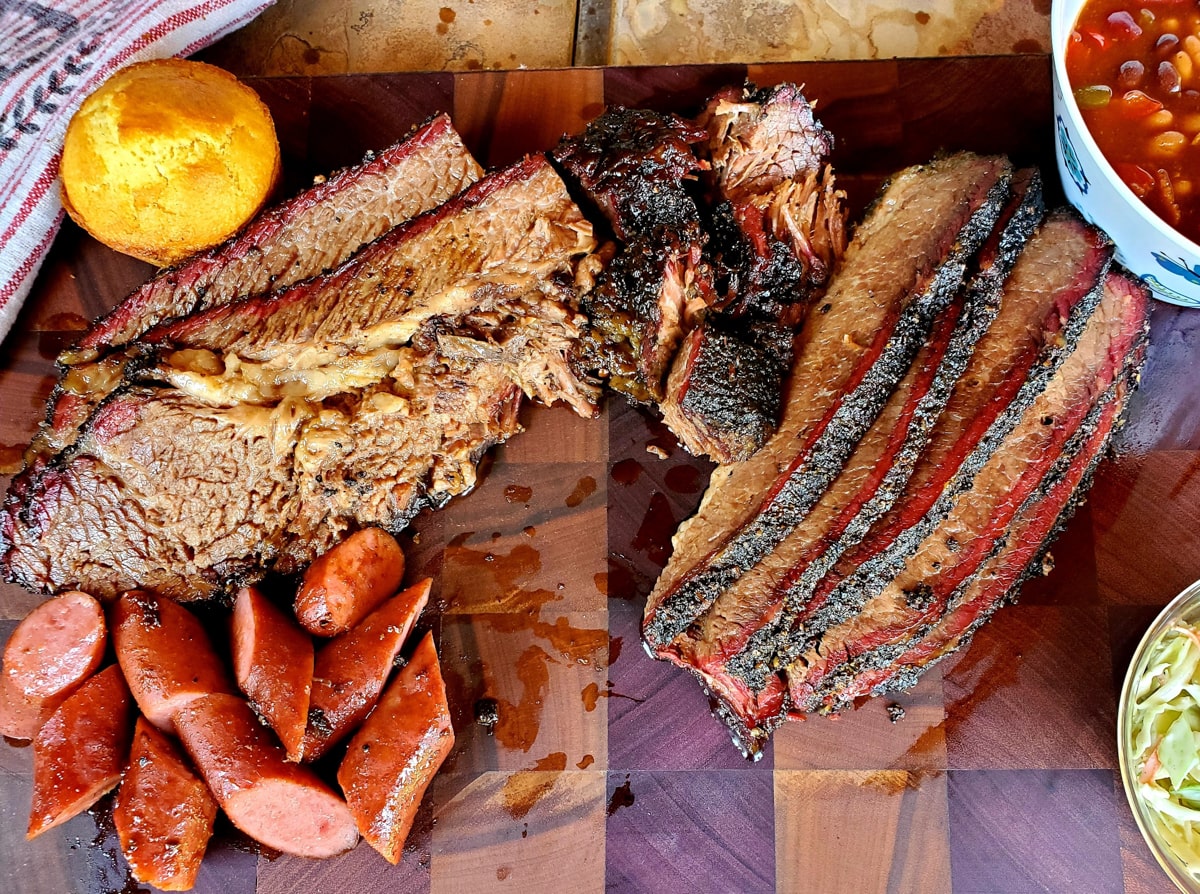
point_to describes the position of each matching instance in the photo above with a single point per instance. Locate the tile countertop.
(310, 37)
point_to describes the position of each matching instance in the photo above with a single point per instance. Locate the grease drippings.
(519, 722)
(685, 479)
(653, 537)
(490, 579)
(626, 472)
(518, 493)
(622, 796)
(586, 762)
(584, 488)
(524, 788)
(591, 695)
(11, 458)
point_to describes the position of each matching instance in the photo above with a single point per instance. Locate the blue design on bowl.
(1071, 157)
(1179, 268)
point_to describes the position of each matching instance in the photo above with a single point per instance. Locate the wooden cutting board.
(606, 771)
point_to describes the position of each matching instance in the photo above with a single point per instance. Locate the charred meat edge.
(811, 472)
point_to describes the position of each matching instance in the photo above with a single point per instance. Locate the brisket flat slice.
(1022, 554)
(905, 264)
(513, 228)
(314, 231)
(190, 500)
(1049, 299)
(731, 645)
(1022, 467)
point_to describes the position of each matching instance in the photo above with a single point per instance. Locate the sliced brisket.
(731, 645)
(905, 264)
(1017, 473)
(314, 231)
(503, 236)
(1049, 299)
(190, 500)
(311, 407)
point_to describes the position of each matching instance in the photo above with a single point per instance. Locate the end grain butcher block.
(579, 763)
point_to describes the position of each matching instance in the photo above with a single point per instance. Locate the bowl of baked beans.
(1127, 131)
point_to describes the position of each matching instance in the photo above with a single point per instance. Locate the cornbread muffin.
(167, 158)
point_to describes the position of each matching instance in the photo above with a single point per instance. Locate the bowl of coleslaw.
(1158, 729)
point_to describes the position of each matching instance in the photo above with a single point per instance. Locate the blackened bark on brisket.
(726, 386)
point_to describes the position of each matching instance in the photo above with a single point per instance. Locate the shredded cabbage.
(1164, 740)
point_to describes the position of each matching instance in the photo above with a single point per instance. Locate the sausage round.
(343, 586)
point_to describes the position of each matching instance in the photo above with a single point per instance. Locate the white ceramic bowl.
(1184, 607)
(1167, 262)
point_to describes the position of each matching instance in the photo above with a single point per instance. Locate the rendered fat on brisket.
(731, 644)
(1027, 464)
(316, 230)
(899, 272)
(317, 401)
(190, 500)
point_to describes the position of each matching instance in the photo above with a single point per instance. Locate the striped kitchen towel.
(52, 55)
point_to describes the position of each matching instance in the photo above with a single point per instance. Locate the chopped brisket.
(777, 229)
(905, 264)
(632, 165)
(637, 311)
